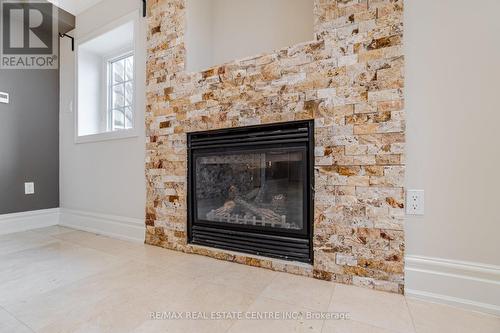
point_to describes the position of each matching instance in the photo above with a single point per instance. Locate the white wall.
(103, 183)
(453, 152)
(199, 34)
(90, 91)
(219, 31)
(281, 23)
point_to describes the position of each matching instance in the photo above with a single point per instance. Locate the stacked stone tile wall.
(349, 79)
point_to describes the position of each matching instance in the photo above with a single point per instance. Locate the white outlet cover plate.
(415, 202)
(4, 97)
(29, 188)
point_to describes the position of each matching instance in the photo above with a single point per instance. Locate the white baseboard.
(16, 222)
(125, 228)
(473, 286)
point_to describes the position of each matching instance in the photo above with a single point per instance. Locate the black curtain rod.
(70, 37)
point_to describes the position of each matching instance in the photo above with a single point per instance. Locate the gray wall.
(29, 140)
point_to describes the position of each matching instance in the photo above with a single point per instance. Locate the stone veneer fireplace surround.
(349, 80)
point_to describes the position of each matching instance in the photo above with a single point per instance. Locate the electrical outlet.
(29, 188)
(4, 97)
(415, 202)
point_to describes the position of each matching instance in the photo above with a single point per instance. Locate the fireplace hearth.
(250, 189)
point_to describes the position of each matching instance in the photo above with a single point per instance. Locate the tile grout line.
(411, 315)
(233, 322)
(137, 260)
(378, 327)
(329, 305)
(278, 300)
(81, 244)
(287, 302)
(49, 240)
(371, 324)
(17, 319)
(78, 280)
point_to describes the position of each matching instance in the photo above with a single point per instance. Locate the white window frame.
(108, 135)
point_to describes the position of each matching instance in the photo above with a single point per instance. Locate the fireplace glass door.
(250, 189)
(261, 188)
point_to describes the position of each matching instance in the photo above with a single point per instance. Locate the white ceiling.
(75, 7)
(118, 39)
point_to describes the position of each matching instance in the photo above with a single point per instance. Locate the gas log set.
(250, 206)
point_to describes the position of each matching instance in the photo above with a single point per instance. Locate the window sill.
(116, 135)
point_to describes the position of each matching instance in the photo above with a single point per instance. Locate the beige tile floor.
(61, 280)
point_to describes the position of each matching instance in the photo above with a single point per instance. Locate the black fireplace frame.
(274, 243)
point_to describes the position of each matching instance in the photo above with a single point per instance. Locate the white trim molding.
(17, 222)
(469, 285)
(125, 228)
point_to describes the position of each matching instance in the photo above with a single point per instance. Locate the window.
(106, 82)
(120, 93)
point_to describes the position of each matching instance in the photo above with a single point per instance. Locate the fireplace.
(250, 189)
